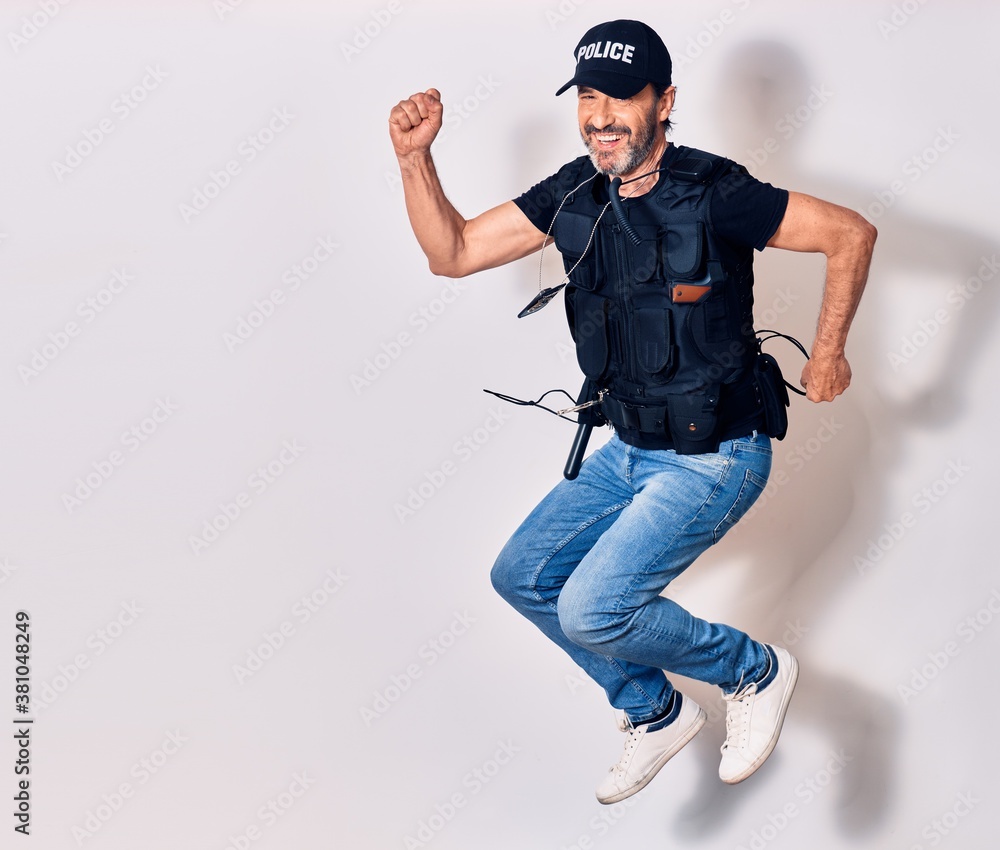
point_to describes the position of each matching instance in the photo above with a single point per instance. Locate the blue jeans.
(589, 563)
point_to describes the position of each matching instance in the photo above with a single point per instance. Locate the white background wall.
(411, 707)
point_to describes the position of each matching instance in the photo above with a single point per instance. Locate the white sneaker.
(754, 718)
(648, 747)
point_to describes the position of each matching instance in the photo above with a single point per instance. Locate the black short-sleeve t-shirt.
(745, 211)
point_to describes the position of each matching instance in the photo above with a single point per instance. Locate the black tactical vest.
(664, 326)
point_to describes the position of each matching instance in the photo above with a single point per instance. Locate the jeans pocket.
(753, 485)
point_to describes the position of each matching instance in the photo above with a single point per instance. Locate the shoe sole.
(689, 733)
(782, 709)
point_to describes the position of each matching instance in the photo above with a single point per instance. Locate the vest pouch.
(683, 246)
(588, 317)
(655, 349)
(572, 233)
(581, 277)
(711, 324)
(693, 418)
(773, 395)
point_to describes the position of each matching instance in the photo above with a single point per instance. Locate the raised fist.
(414, 123)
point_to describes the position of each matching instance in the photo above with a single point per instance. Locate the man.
(659, 302)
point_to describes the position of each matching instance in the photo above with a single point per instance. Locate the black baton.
(588, 415)
(578, 451)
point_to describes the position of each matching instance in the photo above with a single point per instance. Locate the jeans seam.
(750, 447)
(708, 652)
(751, 477)
(637, 687)
(669, 544)
(563, 543)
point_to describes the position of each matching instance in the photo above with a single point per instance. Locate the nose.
(601, 115)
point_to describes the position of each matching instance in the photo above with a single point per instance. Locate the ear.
(666, 104)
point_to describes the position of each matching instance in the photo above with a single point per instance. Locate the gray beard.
(641, 145)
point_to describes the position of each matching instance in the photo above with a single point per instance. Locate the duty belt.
(649, 419)
(687, 422)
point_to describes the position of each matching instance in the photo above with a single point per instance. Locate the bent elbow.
(867, 232)
(856, 235)
(449, 269)
(437, 268)
(871, 234)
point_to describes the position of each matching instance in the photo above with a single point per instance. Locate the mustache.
(617, 129)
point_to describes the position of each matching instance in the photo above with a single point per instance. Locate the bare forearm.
(453, 245)
(828, 374)
(846, 276)
(438, 226)
(847, 240)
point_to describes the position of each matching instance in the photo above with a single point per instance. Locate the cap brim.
(613, 85)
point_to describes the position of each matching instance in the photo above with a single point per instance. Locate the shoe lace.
(631, 740)
(738, 715)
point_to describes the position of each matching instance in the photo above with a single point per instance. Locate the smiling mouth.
(608, 139)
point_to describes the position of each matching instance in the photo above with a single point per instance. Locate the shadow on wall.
(806, 541)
